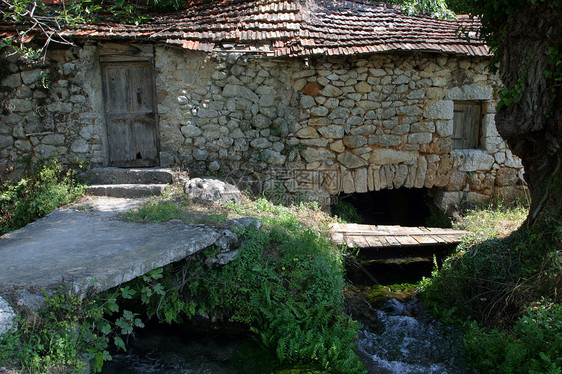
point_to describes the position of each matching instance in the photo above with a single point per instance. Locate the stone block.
(444, 128)
(384, 156)
(481, 182)
(368, 104)
(319, 111)
(21, 105)
(382, 179)
(331, 91)
(307, 101)
(420, 172)
(473, 160)
(31, 76)
(441, 109)
(427, 126)
(260, 143)
(307, 133)
(411, 178)
(80, 146)
(360, 180)
(337, 146)
(471, 92)
(510, 193)
(348, 184)
(351, 161)
(332, 132)
(273, 157)
(363, 87)
(385, 140)
(457, 181)
(354, 141)
(400, 175)
(340, 113)
(420, 138)
(507, 177)
(447, 200)
(317, 154)
(200, 154)
(312, 88)
(191, 131)
(478, 198)
(53, 139)
(320, 142)
(6, 141)
(12, 81)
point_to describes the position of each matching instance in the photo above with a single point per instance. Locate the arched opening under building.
(403, 206)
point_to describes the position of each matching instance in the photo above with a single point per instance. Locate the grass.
(488, 222)
(177, 206)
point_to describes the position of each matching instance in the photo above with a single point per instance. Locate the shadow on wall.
(404, 207)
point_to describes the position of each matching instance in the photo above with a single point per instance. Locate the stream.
(398, 338)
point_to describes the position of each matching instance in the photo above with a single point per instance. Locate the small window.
(467, 120)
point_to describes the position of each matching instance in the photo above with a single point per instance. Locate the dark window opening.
(467, 123)
(404, 207)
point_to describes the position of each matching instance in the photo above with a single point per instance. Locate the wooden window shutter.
(467, 120)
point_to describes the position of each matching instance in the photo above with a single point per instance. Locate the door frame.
(122, 52)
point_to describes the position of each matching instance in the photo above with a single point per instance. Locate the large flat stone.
(90, 246)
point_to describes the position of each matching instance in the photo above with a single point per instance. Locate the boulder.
(211, 191)
(7, 317)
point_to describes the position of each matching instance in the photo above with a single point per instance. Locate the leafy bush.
(46, 188)
(285, 285)
(533, 345)
(71, 334)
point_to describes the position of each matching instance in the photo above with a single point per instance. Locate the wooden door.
(466, 125)
(132, 127)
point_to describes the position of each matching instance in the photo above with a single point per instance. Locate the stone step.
(97, 176)
(126, 190)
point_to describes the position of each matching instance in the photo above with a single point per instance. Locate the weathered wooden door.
(466, 125)
(132, 124)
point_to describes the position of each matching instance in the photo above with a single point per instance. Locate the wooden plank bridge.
(377, 236)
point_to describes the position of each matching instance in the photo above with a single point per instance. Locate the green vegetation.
(533, 344)
(69, 334)
(285, 286)
(505, 291)
(45, 187)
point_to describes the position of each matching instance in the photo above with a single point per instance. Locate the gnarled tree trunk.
(532, 124)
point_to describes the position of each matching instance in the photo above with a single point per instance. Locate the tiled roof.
(296, 28)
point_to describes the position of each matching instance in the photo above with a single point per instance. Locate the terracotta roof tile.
(298, 28)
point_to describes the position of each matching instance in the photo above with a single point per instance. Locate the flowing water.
(407, 341)
(400, 339)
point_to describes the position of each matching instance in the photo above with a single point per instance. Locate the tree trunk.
(532, 124)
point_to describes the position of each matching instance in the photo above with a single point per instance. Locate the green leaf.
(119, 343)
(127, 292)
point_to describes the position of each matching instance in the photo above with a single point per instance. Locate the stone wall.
(51, 110)
(319, 127)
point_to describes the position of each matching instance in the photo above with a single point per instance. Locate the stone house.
(321, 97)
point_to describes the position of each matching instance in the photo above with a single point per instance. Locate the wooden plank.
(361, 242)
(404, 233)
(375, 242)
(423, 239)
(406, 240)
(392, 241)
